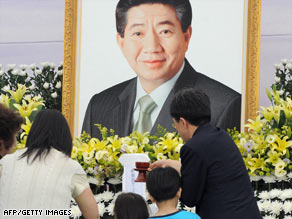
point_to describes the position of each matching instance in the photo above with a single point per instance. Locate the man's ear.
(151, 198)
(184, 121)
(188, 35)
(120, 41)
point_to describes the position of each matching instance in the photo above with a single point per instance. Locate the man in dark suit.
(154, 37)
(213, 174)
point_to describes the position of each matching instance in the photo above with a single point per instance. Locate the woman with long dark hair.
(43, 176)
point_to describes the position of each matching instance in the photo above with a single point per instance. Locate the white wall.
(31, 31)
(276, 41)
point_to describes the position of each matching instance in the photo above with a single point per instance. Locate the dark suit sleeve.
(87, 119)
(194, 173)
(230, 117)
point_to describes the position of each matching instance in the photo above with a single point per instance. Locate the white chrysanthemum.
(46, 85)
(277, 66)
(90, 170)
(100, 154)
(276, 207)
(52, 65)
(59, 84)
(186, 208)
(110, 209)
(107, 196)
(38, 71)
(75, 211)
(289, 175)
(124, 148)
(22, 73)
(101, 209)
(22, 66)
(266, 205)
(6, 88)
(115, 181)
(269, 179)
(32, 66)
(54, 95)
(281, 92)
(1, 72)
(287, 207)
(32, 87)
(269, 217)
(116, 195)
(60, 72)
(126, 140)
(286, 194)
(261, 207)
(145, 141)
(287, 217)
(274, 193)
(271, 138)
(11, 66)
(277, 79)
(289, 66)
(264, 195)
(45, 64)
(14, 72)
(255, 178)
(280, 173)
(132, 149)
(284, 61)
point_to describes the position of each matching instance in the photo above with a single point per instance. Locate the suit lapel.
(186, 79)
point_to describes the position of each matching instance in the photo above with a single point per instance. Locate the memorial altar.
(266, 144)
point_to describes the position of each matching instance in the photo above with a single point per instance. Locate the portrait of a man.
(154, 36)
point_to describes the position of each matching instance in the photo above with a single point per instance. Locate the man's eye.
(165, 32)
(137, 34)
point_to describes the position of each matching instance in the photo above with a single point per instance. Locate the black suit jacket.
(214, 177)
(113, 107)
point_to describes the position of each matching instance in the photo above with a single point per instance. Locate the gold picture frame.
(251, 85)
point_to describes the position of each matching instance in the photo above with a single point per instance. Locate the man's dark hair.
(130, 206)
(163, 183)
(49, 130)
(10, 122)
(192, 105)
(182, 7)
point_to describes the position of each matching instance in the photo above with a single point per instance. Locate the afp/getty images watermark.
(36, 212)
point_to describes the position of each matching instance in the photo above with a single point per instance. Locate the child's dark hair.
(163, 183)
(130, 206)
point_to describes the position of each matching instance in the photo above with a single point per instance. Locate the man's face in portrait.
(154, 43)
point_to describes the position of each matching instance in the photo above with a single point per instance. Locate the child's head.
(163, 183)
(130, 206)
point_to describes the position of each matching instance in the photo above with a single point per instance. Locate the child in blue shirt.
(164, 188)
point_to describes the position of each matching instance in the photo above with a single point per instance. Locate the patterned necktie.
(144, 123)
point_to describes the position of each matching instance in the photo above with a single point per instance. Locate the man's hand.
(163, 163)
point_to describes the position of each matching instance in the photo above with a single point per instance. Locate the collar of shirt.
(159, 96)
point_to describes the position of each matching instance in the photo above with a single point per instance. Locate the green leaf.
(269, 94)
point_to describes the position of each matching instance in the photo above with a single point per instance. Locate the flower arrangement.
(273, 204)
(266, 147)
(45, 81)
(100, 157)
(26, 105)
(283, 78)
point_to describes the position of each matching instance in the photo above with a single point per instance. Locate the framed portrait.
(224, 46)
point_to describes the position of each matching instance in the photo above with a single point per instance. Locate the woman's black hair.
(130, 206)
(49, 130)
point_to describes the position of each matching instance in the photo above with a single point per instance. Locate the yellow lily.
(281, 144)
(4, 99)
(25, 109)
(18, 94)
(255, 125)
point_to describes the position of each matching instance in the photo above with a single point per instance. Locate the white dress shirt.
(159, 96)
